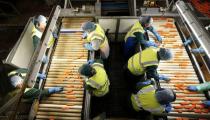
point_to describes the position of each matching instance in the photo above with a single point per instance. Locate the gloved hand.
(159, 38)
(168, 107)
(41, 76)
(45, 59)
(55, 90)
(141, 84)
(90, 62)
(192, 88)
(84, 35)
(165, 78)
(187, 42)
(55, 35)
(198, 50)
(206, 103)
(88, 46)
(150, 43)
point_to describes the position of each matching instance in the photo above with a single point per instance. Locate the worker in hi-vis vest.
(138, 34)
(95, 39)
(147, 61)
(200, 88)
(30, 94)
(97, 80)
(40, 23)
(153, 100)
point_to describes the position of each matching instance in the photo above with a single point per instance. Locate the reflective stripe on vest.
(144, 91)
(36, 32)
(137, 27)
(97, 34)
(138, 62)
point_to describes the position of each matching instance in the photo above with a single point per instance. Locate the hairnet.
(88, 26)
(165, 54)
(85, 70)
(165, 96)
(146, 20)
(40, 19)
(16, 80)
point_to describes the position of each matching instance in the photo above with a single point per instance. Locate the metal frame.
(198, 30)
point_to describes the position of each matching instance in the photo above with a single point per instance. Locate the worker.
(15, 79)
(95, 39)
(153, 100)
(40, 23)
(147, 61)
(199, 88)
(97, 80)
(137, 35)
(32, 93)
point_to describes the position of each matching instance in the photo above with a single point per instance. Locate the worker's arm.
(22, 70)
(152, 72)
(140, 38)
(36, 41)
(204, 86)
(93, 45)
(153, 30)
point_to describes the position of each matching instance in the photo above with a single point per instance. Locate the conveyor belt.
(180, 70)
(69, 55)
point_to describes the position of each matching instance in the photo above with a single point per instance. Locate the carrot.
(178, 107)
(197, 111)
(184, 103)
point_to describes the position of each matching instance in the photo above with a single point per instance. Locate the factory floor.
(116, 103)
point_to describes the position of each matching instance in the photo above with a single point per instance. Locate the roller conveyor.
(180, 70)
(68, 56)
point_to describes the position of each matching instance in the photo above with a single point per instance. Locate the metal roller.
(68, 56)
(181, 72)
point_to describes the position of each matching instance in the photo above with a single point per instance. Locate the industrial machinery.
(68, 54)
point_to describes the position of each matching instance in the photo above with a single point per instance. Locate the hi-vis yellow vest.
(98, 34)
(99, 81)
(37, 33)
(145, 99)
(136, 28)
(138, 62)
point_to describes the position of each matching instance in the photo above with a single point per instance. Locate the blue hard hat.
(165, 54)
(165, 95)
(88, 26)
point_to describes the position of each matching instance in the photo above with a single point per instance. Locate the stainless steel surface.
(68, 56)
(198, 30)
(181, 72)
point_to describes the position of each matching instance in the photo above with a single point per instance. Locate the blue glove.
(55, 35)
(41, 76)
(141, 84)
(150, 43)
(198, 50)
(45, 59)
(192, 88)
(187, 42)
(55, 90)
(90, 62)
(163, 77)
(206, 103)
(88, 46)
(168, 107)
(84, 35)
(159, 38)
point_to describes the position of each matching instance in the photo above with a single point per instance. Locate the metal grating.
(69, 55)
(180, 70)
